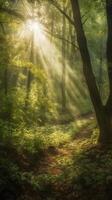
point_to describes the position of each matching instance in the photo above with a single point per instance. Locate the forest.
(56, 99)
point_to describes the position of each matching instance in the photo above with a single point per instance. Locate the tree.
(103, 112)
(63, 87)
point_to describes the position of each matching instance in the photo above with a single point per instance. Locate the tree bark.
(109, 52)
(63, 85)
(29, 74)
(6, 81)
(100, 78)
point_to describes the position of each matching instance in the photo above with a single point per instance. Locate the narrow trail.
(55, 167)
(49, 163)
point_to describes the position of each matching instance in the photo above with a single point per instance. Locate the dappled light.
(55, 100)
(37, 36)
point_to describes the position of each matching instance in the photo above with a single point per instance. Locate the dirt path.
(53, 169)
(50, 162)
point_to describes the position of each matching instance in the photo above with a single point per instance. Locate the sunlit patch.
(33, 25)
(35, 34)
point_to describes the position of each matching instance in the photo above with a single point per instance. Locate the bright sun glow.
(33, 25)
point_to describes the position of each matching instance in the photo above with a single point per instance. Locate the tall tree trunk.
(63, 66)
(70, 39)
(108, 106)
(103, 117)
(52, 27)
(6, 68)
(28, 86)
(100, 78)
(6, 81)
(29, 74)
(109, 50)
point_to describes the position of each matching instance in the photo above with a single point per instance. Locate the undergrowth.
(54, 162)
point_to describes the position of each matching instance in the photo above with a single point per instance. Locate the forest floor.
(71, 168)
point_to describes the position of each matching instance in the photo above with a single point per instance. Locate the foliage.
(47, 152)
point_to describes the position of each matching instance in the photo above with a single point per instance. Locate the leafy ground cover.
(55, 162)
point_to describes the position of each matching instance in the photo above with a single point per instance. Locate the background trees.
(65, 42)
(103, 113)
(53, 76)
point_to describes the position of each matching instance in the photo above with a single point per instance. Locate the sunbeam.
(43, 53)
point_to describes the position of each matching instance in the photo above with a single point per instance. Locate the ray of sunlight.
(36, 35)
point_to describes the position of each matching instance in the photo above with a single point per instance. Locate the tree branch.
(12, 12)
(61, 38)
(55, 4)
